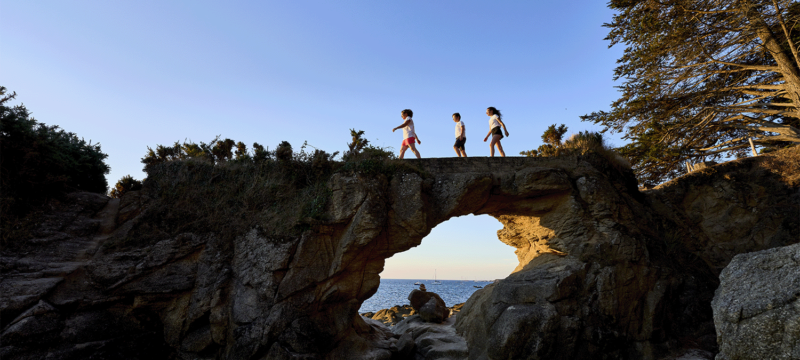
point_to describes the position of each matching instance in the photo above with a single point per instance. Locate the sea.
(392, 292)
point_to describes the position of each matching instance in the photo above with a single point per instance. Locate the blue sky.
(136, 74)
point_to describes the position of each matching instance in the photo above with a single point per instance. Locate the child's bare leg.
(495, 139)
(458, 152)
(403, 150)
(414, 150)
(464, 152)
(500, 148)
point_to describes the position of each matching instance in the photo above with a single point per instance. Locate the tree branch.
(786, 32)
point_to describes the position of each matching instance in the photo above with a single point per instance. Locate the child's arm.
(504, 126)
(418, 141)
(463, 131)
(487, 135)
(405, 123)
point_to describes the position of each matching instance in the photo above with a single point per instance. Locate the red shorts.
(409, 141)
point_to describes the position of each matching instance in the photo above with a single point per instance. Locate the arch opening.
(458, 257)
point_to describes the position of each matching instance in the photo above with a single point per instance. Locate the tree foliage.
(582, 143)
(39, 161)
(701, 77)
(124, 185)
(551, 142)
(360, 148)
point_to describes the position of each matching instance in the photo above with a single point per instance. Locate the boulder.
(429, 305)
(757, 306)
(434, 311)
(392, 315)
(428, 340)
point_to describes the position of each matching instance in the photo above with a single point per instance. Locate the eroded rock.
(757, 306)
(604, 271)
(421, 339)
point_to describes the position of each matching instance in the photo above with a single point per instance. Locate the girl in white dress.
(495, 122)
(409, 136)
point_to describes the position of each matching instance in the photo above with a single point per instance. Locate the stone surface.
(434, 311)
(757, 306)
(392, 315)
(428, 340)
(429, 305)
(604, 270)
(728, 209)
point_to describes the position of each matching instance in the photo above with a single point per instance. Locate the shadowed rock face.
(590, 282)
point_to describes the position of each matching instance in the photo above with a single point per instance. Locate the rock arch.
(605, 271)
(584, 278)
(586, 285)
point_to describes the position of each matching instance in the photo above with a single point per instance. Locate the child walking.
(495, 121)
(461, 136)
(409, 136)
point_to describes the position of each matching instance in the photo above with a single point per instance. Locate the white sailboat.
(435, 282)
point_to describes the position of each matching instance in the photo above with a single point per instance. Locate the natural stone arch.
(605, 271)
(570, 219)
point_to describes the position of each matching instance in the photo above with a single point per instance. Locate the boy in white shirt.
(461, 136)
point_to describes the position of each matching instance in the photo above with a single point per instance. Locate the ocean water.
(393, 292)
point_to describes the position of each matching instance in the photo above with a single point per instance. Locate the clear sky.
(136, 74)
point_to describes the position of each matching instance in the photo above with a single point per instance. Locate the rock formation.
(757, 306)
(605, 271)
(420, 339)
(392, 315)
(429, 305)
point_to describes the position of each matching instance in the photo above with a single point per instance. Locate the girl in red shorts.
(409, 136)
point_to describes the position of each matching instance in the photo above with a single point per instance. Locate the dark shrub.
(40, 162)
(127, 183)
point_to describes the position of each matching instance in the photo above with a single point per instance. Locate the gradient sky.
(136, 74)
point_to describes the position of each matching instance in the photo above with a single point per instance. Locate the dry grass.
(786, 164)
(585, 142)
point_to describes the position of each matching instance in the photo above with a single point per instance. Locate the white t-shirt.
(494, 121)
(408, 130)
(459, 125)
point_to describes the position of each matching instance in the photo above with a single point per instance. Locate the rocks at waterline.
(429, 305)
(392, 315)
(757, 305)
(397, 313)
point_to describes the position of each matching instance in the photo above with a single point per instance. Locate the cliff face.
(605, 271)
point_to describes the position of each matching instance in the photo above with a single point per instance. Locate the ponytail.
(495, 112)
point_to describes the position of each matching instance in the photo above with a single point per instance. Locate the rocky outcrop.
(396, 314)
(757, 306)
(420, 339)
(605, 271)
(732, 208)
(429, 305)
(392, 315)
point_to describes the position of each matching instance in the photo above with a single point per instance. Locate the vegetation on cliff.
(700, 78)
(40, 162)
(581, 143)
(222, 187)
(123, 186)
